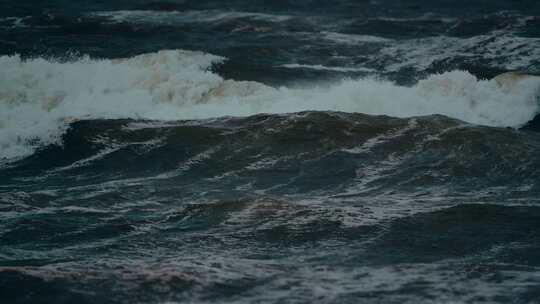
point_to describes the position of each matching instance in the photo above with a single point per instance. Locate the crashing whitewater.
(39, 98)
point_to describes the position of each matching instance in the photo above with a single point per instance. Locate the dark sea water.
(269, 151)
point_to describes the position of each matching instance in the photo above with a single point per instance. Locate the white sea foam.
(38, 98)
(505, 49)
(352, 39)
(500, 48)
(175, 17)
(319, 67)
(13, 22)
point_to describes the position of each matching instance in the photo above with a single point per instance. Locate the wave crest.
(38, 97)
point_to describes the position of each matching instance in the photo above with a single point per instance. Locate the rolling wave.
(39, 98)
(367, 157)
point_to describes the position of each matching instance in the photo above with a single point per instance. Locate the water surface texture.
(269, 151)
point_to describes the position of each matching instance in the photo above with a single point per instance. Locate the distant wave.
(39, 98)
(387, 44)
(500, 48)
(324, 68)
(164, 17)
(352, 38)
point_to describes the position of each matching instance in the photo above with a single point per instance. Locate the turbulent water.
(269, 151)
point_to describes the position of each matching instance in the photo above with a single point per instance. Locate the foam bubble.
(39, 98)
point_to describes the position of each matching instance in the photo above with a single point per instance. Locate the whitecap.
(39, 98)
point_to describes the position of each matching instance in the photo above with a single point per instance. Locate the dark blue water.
(269, 151)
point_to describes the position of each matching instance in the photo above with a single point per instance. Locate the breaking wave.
(39, 98)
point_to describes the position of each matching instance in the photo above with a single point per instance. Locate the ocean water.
(269, 151)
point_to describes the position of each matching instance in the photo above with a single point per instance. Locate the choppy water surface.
(269, 152)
